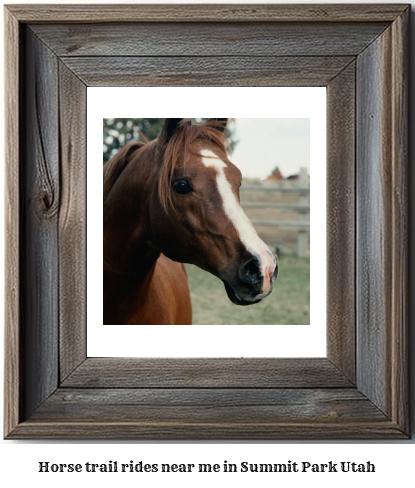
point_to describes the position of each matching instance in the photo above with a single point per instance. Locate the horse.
(171, 201)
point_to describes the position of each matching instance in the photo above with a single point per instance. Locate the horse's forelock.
(180, 145)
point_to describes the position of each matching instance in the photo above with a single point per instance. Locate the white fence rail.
(302, 225)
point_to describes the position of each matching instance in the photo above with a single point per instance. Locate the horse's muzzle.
(250, 289)
(235, 298)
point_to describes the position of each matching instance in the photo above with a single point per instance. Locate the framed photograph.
(271, 154)
(56, 56)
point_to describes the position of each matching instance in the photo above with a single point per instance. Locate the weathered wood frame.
(359, 52)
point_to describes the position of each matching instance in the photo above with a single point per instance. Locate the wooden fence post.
(302, 237)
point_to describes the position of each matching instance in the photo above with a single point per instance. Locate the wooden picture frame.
(360, 53)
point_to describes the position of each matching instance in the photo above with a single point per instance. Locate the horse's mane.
(180, 146)
(115, 166)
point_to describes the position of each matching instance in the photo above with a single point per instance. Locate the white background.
(394, 460)
(213, 340)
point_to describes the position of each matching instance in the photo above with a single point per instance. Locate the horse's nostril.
(275, 273)
(250, 272)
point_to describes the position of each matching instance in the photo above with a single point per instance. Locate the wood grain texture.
(209, 39)
(205, 71)
(72, 222)
(185, 430)
(382, 223)
(40, 223)
(206, 13)
(400, 246)
(206, 373)
(373, 224)
(209, 405)
(341, 236)
(219, 398)
(12, 371)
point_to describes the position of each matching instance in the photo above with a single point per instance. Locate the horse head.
(195, 213)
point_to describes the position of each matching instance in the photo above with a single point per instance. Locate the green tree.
(118, 132)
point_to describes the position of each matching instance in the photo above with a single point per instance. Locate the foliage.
(118, 132)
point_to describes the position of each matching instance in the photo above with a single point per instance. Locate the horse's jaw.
(235, 298)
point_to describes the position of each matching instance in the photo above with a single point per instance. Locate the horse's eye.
(183, 187)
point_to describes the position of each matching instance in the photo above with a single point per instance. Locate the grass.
(288, 304)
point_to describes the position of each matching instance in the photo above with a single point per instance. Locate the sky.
(267, 143)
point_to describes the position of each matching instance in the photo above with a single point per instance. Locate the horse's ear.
(221, 123)
(170, 125)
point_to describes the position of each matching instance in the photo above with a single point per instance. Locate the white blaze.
(240, 221)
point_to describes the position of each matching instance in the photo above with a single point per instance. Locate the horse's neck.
(129, 257)
(128, 276)
(127, 235)
(124, 293)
